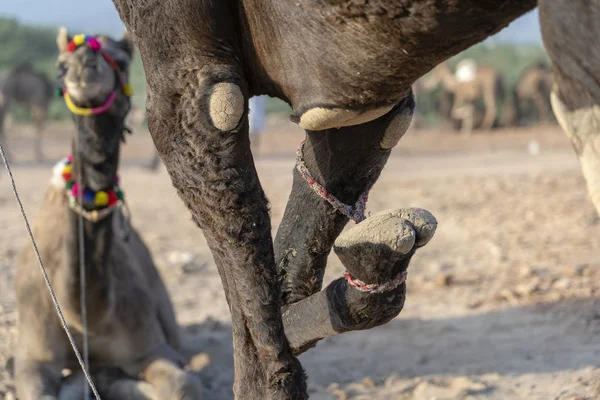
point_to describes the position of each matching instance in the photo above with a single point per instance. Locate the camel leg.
(489, 98)
(541, 104)
(347, 162)
(155, 161)
(109, 387)
(162, 369)
(374, 251)
(39, 118)
(3, 141)
(569, 29)
(197, 115)
(37, 380)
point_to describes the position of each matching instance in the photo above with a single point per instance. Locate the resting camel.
(469, 84)
(534, 86)
(346, 69)
(26, 86)
(131, 321)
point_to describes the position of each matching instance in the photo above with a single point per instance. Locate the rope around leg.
(46, 278)
(374, 288)
(355, 212)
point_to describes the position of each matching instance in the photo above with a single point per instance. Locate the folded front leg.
(376, 254)
(38, 380)
(345, 162)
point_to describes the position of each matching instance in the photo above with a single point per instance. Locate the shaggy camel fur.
(32, 89)
(481, 82)
(132, 325)
(346, 68)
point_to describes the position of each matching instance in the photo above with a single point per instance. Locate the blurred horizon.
(103, 18)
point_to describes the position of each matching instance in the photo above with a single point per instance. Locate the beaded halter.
(95, 45)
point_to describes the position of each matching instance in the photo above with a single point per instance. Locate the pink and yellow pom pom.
(101, 199)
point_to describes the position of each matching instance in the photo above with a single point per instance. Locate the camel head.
(94, 74)
(92, 68)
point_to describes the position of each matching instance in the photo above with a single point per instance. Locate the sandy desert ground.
(503, 303)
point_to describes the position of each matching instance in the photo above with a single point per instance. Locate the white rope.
(47, 279)
(82, 294)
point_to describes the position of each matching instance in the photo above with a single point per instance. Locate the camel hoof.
(183, 387)
(378, 246)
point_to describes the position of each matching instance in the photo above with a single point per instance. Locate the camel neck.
(95, 151)
(94, 166)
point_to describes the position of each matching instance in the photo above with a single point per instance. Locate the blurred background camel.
(32, 89)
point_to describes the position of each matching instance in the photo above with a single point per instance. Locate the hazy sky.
(100, 17)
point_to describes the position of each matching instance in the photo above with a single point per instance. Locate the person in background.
(256, 115)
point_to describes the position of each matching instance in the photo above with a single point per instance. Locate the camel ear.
(127, 44)
(62, 39)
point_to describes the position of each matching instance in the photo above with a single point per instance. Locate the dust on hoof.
(226, 106)
(372, 249)
(321, 118)
(388, 228)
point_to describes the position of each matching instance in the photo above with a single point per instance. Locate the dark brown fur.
(333, 54)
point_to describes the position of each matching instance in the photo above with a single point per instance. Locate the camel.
(26, 86)
(131, 321)
(346, 69)
(534, 86)
(470, 83)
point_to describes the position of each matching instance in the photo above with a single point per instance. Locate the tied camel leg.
(348, 161)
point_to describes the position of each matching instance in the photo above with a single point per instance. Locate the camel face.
(88, 76)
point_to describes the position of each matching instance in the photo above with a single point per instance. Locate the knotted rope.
(374, 288)
(355, 212)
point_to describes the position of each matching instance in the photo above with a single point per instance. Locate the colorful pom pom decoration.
(94, 44)
(79, 40)
(100, 199)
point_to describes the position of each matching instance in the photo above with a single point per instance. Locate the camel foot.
(376, 254)
(171, 382)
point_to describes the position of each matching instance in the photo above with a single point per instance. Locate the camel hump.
(466, 70)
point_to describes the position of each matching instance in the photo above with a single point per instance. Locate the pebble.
(444, 280)
(562, 283)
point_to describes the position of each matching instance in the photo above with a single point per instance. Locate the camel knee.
(226, 106)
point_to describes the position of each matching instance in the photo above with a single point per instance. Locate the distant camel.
(32, 89)
(469, 84)
(534, 85)
(427, 102)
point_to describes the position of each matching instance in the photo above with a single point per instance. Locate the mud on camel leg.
(197, 108)
(347, 162)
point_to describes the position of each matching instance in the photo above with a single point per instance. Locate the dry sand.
(502, 304)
